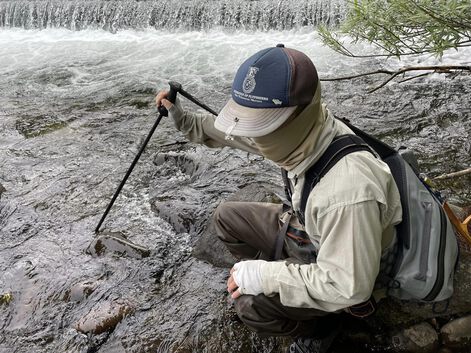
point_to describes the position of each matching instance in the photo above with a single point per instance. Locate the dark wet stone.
(181, 161)
(181, 215)
(59, 77)
(457, 333)
(116, 243)
(32, 126)
(209, 247)
(420, 338)
(104, 317)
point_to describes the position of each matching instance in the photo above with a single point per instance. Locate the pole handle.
(175, 87)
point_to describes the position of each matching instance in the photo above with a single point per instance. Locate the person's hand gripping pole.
(166, 99)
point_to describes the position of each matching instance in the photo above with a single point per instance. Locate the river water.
(75, 107)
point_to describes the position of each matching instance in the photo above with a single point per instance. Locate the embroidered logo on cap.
(249, 82)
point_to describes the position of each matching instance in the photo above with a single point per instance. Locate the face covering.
(296, 139)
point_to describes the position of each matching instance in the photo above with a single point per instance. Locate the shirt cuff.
(270, 271)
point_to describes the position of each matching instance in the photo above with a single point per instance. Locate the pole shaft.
(197, 102)
(128, 173)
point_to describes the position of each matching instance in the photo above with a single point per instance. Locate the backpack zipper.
(424, 252)
(437, 287)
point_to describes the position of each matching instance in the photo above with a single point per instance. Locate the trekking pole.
(172, 95)
(194, 100)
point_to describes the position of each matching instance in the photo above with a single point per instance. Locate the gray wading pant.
(249, 230)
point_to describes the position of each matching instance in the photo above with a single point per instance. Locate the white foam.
(194, 57)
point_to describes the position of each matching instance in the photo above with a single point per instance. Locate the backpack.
(422, 264)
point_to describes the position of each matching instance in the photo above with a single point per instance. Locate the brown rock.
(104, 317)
(116, 243)
(420, 338)
(457, 333)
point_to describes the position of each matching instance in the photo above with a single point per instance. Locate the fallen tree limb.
(393, 74)
(453, 175)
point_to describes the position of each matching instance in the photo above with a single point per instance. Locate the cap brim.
(235, 119)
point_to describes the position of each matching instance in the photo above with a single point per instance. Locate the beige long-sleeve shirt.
(350, 217)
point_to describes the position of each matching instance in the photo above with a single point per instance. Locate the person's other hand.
(246, 278)
(175, 111)
(161, 99)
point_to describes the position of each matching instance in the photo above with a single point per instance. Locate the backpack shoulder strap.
(287, 186)
(339, 148)
(379, 146)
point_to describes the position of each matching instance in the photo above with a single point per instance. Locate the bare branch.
(358, 75)
(453, 175)
(437, 68)
(386, 82)
(433, 68)
(416, 76)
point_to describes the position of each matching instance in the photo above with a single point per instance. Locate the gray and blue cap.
(267, 89)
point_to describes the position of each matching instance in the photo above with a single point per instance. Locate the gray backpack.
(427, 251)
(422, 264)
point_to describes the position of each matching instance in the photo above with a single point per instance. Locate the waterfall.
(176, 15)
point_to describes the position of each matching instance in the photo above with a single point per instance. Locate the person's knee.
(223, 215)
(221, 212)
(257, 314)
(247, 310)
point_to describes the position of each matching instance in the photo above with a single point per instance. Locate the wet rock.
(179, 214)
(180, 162)
(2, 190)
(457, 333)
(37, 125)
(104, 317)
(420, 338)
(116, 243)
(209, 247)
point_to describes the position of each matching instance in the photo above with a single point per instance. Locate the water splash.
(185, 15)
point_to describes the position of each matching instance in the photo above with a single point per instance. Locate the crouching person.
(299, 265)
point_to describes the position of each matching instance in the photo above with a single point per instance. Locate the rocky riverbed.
(74, 108)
